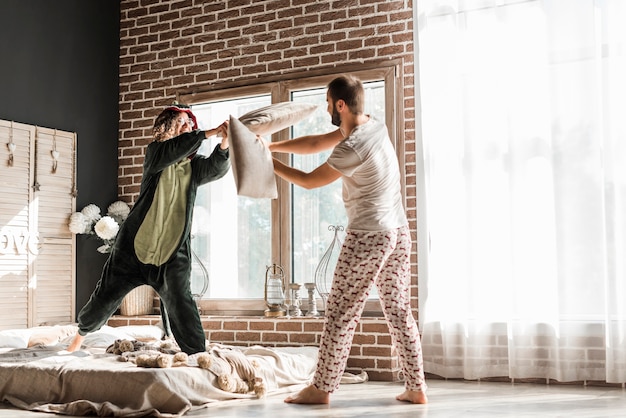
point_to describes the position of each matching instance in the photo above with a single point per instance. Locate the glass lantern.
(274, 291)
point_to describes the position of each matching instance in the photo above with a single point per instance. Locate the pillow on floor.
(105, 336)
(143, 333)
(251, 160)
(51, 335)
(14, 338)
(273, 118)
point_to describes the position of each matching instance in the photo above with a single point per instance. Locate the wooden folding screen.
(37, 250)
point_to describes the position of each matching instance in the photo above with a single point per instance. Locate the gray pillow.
(252, 163)
(273, 118)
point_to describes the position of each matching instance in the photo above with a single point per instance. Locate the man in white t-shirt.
(377, 247)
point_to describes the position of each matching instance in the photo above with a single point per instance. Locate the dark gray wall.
(59, 65)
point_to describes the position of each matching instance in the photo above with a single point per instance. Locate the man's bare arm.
(309, 144)
(321, 176)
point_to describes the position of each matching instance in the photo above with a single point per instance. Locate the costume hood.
(187, 110)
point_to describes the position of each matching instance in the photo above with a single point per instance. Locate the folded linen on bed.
(24, 355)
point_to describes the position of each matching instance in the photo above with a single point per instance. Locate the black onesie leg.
(181, 309)
(165, 320)
(114, 284)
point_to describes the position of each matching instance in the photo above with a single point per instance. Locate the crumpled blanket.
(92, 382)
(25, 355)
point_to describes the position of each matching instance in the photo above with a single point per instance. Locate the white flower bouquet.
(89, 221)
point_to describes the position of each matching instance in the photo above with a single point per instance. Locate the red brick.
(306, 62)
(253, 9)
(387, 364)
(212, 325)
(361, 11)
(117, 322)
(274, 337)
(123, 162)
(380, 327)
(310, 326)
(219, 336)
(303, 339)
(383, 376)
(339, 57)
(376, 351)
(360, 339)
(350, 45)
(390, 6)
(132, 170)
(318, 7)
(248, 336)
(363, 363)
(262, 326)
(383, 340)
(362, 54)
(235, 325)
(289, 325)
(232, 73)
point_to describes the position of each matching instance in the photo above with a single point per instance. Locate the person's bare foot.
(76, 343)
(413, 396)
(310, 395)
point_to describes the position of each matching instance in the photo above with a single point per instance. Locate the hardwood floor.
(447, 399)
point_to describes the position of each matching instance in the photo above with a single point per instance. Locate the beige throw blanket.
(92, 382)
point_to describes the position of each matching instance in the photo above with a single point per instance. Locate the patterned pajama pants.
(366, 258)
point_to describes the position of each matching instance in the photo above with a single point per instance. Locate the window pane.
(314, 210)
(231, 233)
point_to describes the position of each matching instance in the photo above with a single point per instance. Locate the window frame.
(280, 90)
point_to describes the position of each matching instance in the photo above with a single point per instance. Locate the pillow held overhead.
(273, 118)
(251, 160)
(253, 167)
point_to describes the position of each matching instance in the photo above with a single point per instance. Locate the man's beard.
(335, 118)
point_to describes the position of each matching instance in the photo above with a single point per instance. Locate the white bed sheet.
(92, 382)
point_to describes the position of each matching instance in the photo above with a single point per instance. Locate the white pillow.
(14, 338)
(253, 167)
(51, 335)
(142, 332)
(276, 117)
(104, 337)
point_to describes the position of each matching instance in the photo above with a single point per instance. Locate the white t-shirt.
(371, 178)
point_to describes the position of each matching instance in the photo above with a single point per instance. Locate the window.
(232, 244)
(313, 211)
(237, 237)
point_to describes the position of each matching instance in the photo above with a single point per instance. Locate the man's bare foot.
(413, 396)
(76, 343)
(310, 395)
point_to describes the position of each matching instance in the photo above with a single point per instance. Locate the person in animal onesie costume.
(153, 245)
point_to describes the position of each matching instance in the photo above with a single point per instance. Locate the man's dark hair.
(349, 89)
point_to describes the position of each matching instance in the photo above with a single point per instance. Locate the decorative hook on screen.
(54, 152)
(11, 146)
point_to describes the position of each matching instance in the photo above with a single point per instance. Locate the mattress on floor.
(38, 374)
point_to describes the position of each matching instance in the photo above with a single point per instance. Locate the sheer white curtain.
(522, 235)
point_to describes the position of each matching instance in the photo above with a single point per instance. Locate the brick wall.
(169, 46)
